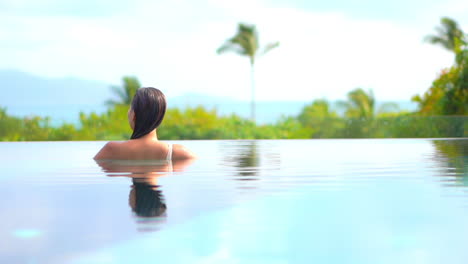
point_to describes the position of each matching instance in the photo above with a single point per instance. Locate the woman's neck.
(151, 136)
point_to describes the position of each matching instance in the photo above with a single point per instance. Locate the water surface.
(291, 201)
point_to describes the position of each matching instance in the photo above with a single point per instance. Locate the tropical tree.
(360, 104)
(448, 94)
(449, 35)
(246, 43)
(125, 92)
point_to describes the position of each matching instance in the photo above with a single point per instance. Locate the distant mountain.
(23, 89)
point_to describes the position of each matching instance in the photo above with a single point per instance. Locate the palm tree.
(449, 35)
(361, 104)
(126, 92)
(450, 90)
(245, 43)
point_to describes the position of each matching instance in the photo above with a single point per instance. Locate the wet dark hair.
(149, 201)
(149, 105)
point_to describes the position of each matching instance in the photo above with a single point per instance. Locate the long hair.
(149, 105)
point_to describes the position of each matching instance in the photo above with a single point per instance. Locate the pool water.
(267, 201)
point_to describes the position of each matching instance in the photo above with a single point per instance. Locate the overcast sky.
(327, 47)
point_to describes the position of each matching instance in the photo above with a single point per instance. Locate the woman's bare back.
(143, 150)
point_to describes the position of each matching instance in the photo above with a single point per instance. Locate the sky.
(327, 48)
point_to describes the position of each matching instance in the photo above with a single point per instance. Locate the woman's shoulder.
(180, 152)
(109, 150)
(134, 150)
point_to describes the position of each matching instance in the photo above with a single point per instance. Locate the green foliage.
(23, 129)
(112, 125)
(360, 104)
(448, 94)
(320, 119)
(449, 35)
(316, 120)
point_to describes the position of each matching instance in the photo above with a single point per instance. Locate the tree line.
(360, 119)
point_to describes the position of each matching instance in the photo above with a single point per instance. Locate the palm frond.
(227, 46)
(361, 104)
(247, 28)
(433, 39)
(244, 42)
(269, 47)
(448, 35)
(231, 47)
(248, 43)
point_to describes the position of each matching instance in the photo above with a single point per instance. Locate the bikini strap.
(169, 153)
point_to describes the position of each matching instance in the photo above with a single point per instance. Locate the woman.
(144, 116)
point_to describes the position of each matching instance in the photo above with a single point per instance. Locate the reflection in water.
(246, 160)
(146, 198)
(454, 153)
(382, 191)
(250, 163)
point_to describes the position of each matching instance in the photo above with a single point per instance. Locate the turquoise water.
(281, 201)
